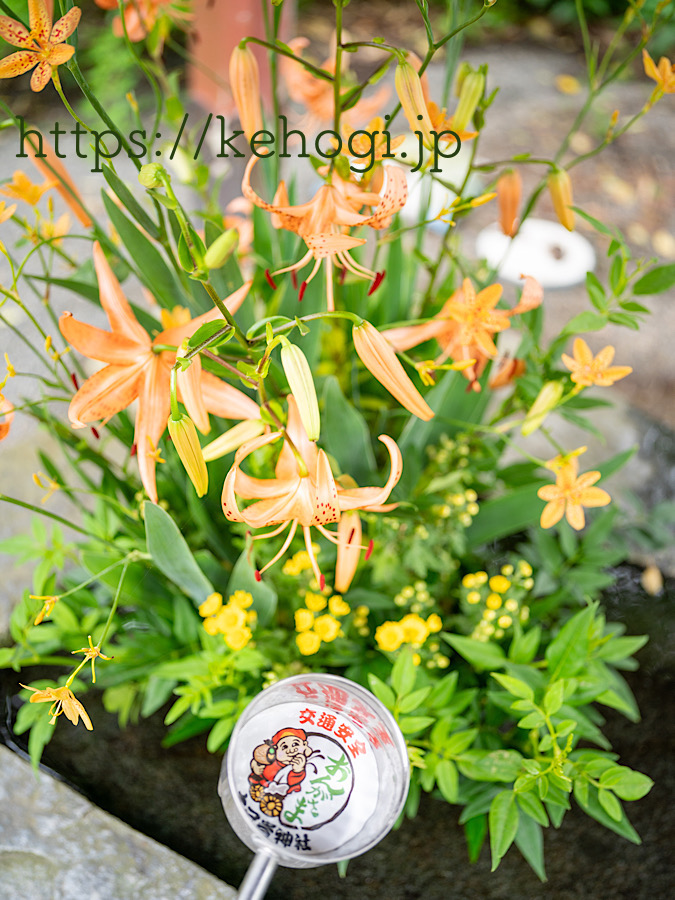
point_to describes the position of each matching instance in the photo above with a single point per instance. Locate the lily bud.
(221, 249)
(547, 400)
(470, 94)
(184, 436)
(233, 438)
(149, 175)
(378, 356)
(509, 190)
(245, 86)
(348, 550)
(410, 93)
(301, 383)
(560, 189)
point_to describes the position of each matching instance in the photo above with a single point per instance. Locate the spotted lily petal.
(369, 497)
(65, 26)
(18, 63)
(15, 33)
(40, 19)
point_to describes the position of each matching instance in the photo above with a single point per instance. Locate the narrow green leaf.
(475, 830)
(479, 654)
(514, 686)
(503, 822)
(171, 554)
(130, 202)
(566, 654)
(657, 280)
(404, 672)
(530, 842)
(610, 804)
(447, 780)
(412, 701)
(382, 691)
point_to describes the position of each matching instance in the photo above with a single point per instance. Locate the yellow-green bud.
(560, 189)
(547, 400)
(301, 383)
(470, 94)
(409, 89)
(149, 175)
(233, 438)
(184, 436)
(221, 249)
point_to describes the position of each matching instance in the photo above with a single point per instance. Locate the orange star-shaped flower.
(303, 491)
(587, 369)
(63, 701)
(42, 46)
(663, 74)
(6, 417)
(136, 369)
(568, 496)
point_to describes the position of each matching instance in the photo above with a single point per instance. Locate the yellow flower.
(587, 369)
(315, 602)
(663, 75)
(504, 621)
(55, 231)
(211, 605)
(569, 495)
(238, 638)
(308, 642)
(417, 659)
(22, 188)
(524, 568)
(92, 653)
(211, 625)
(304, 619)
(338, 606)
(389, 636)
(499, 583)
(473, 597)
(494, 601)
(40, 46)
(327, 628)
(6, 212)
(415, 629)
(50, 601)
(434, 623)
(511, 605)
(62, 700)
(507, 570)
(242, 599)
(469, 581)
(230, 617)
(48, 484)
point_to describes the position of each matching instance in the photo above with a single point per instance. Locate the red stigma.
(258, 576)
(351, 535)
(343, 275)
(133, 450)
(322, 583)
(301, 292)
(294, 279)
(270, 280)
(369, 550)
(95, 433)
(73, 378)
(377, 281)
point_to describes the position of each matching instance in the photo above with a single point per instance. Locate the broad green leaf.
(533, 720)
(553, 698)
(171, 554)
(495, 765)
(264, 596)
(475, 830)
(532, 806)
(382, 691)
(457, 743)
(503, 822)
(514, 686)
(610, 804)
(414, 724)
(404, 672)
(443, 691)
(515, 511)
(626, 783)
(524, 645)
(566, 654)
(447, 780)
(659, 279)
(412, 701)
(530, 842)
(598, 812)
(345, 434)
(585, 321)
(482, 655)
(219, 734)
(620, 648)
(130, 202)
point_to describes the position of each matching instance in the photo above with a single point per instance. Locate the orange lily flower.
(587, 369)
(320, 222)
(22, 188)
(440, 121)
(140, 16)
(137, 370)
(63, 701)
(49, 165)
(316, 94)
(6, 212)
(6, 417)
(465, 325)
(303, 491)
(42, 46)
(570, 494)
(663, 74)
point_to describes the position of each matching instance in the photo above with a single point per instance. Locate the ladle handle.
(257, 878)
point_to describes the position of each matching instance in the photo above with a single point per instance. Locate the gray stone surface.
(55, 845)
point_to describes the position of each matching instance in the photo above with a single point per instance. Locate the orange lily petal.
(368, 497)
(575, 516)
(552, 513)
(105, 393)
(326, 501)
(593, 496)
(326, 244)
(225, 401)
(151, 418)
(530, 298)
(18, 63)
(65, 26)
(348, 550)
(14, 32)
(60, 54)
(41, 77)
(548, 492)
(412, 335)
(582, 352)
(393, 198)
(40, 20)
(114, 302)
(105, 346)
(6, 417)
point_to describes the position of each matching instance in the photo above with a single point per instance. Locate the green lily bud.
(221, 249)
(149, 175)
(547, 400)
(301, 383)
(470, 94)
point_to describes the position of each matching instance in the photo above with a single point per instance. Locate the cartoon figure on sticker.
(278, 769)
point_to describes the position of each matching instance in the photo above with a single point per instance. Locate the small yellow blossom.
(590, 370)
(92, 653)
(315, 602)
(417, 659)
(6, 212)
(511, 605)
(47, 484)
(22, 188)
(242, 599)
(11, 371)
(494, 601)
(211, 605)
(362, 611)
(434, 623)
(238, 638)
(211, 625)
(308, 642)
(473, 597)
(499, 583)
(507, 570)
(504, 621)
(415, 629)
(481, 577)
(569, 495)
(524, 568)
(304, 620)
(50, 601)
(338, 606)
(389, 636)
(230, 617)
(663, 74)
(489, 615)
(469, 581)
(327, 628)
(63, 701)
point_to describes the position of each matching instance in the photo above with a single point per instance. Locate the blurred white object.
(557, 258)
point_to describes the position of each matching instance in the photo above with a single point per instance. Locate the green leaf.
(533, 720)
(475, 830)
(206, 331)
(619, 648)
(130, 202)
(447, 780)
(443, 691)
(219, 734)
(382, 691)
(495, 765)
(610, 804)
(514, 686)
(503, 822)
(657, 280)
(171, 554)
(567, 653)
(532, 806)
(404, 672)
(458, 742)
(524, 645)
(345, 433)
(506, 515)
(482, 655)
(264, 596)
(412, 701)
(530, 842)
(585, 321)
(594, 809)
(553, 698)
(414, 724)
(626, 783)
